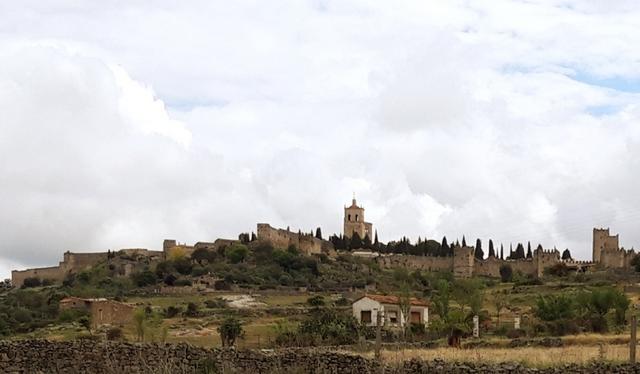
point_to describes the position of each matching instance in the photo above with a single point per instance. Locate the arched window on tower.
(356, 218)
(349, 217)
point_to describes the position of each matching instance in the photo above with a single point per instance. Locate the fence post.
(378, 334)
(632, 342)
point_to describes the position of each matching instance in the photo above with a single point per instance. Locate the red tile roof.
(394, 300)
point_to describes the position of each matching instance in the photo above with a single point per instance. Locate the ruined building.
(354, 222)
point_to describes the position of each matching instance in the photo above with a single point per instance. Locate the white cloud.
(122, 126)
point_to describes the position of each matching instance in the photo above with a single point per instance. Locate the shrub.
(143, 278)
(47, 282)
(183, 282)
(192, 310)
(170, 280)
(198, 271)
(22, 315)
(215, 303)
(236, 253)
(506, 273)
(515, 333)
(317, 300)
(183, 265)
(559, 270)
(31, 282)
(114, 333)
(172, 311)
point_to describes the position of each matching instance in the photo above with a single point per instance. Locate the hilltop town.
(278, 288)
(460, 259)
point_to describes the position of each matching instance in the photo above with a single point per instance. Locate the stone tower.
(603, 241)
(354, 221)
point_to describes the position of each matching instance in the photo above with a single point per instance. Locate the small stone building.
(102, 311)
(366, 309)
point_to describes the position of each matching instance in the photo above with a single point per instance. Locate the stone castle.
(463, 264)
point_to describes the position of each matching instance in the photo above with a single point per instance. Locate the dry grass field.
(530, 356)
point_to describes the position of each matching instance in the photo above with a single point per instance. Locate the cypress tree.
(492, 252)
(444, 248)
(501, 251)
(566, 255)
(375, 241)
(520, 251)
(318, 233)
(479, 253)
(464, 242)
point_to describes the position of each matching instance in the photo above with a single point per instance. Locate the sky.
(123, 123)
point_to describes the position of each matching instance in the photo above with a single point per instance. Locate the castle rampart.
(280, 238)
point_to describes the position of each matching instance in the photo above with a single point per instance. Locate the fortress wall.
(55, 273)
(489, 267)
(280, 238)
(427, 263)
(81, 261)
(524, 266)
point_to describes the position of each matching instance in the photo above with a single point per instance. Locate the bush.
(172, 311)
(236, 253)
(183, 265)
(70, 315)
(192, 310)
(515, 333)
(558, 270)
(144, 278)
(31, 282)
(115, 333)
(317, 300)
(506, 273)
(183, 282)
(215, 303)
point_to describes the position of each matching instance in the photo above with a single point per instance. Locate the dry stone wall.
(88, 356)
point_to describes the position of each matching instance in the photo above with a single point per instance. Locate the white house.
(366, 309)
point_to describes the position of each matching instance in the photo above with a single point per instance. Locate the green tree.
(566, 255)
(230, 330)
(85, 322)
(236, 253)
(554, 307)
(200, 255)
(492, 252)
(467, 292)
(318, 233)
(356, 241)
(479, 253)
(506, 273)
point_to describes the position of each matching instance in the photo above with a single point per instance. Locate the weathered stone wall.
(463, 264)
(280, 238)
(54, 273)
(427, 263)
(39, 357)
(88, 356)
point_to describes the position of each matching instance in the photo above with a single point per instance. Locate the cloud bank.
(122, 126)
